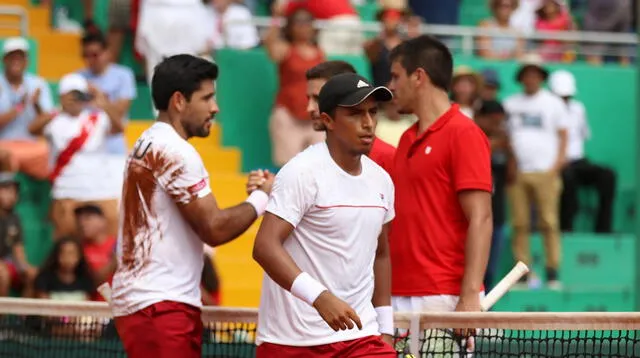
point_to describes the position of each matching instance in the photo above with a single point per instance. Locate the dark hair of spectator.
(287, 30)
(52, 264)
(493, 5)
(328, 69)
(96, 37)
(490, 107)
(180, 73)
(428, 53)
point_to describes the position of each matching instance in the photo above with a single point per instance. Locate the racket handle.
(504, 285)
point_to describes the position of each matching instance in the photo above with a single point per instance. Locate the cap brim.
(542, 70)
(380, 94)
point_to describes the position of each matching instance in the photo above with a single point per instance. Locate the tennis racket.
(443, 342)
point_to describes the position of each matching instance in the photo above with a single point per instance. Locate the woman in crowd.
(294, 51)
(500, 47)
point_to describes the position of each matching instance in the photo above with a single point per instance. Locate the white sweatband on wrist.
(385, 319)
(306, 288)
(258, 199)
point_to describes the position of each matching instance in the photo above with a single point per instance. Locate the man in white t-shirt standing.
(538, 127)
(77, 137)
(323, 242)
(167, 212)
(580, 171)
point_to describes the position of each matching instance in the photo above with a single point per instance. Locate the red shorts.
(371, 346)
(166, 329)
(14, 276)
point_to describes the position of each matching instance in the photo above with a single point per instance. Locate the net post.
(414, 334)
(637, 157)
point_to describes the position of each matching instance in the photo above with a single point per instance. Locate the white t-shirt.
(534, 122)
(337, 218)
(231, 33)
(84, 177)
(578, 130)
(159, 254)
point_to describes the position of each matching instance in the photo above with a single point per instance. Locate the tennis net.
(44, 328)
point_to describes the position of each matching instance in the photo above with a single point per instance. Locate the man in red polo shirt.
(442, 174)
(381, 152)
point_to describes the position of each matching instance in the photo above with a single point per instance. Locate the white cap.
(73, 82)
(15, 44)
(562, 83)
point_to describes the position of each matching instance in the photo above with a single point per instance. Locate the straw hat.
(466, 71)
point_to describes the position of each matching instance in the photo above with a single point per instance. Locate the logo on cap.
(362, 83)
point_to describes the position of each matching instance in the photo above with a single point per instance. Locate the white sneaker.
(554, 285)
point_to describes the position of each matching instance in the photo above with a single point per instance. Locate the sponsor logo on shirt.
(197, 186)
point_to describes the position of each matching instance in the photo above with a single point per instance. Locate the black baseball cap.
(349, 90)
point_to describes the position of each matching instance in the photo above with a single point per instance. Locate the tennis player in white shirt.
(168, 211)
(323, 241)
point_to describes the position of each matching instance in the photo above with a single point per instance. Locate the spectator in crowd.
(437, 12)
(465, 89)
(491, 118)
(490, 85)
(579, 171)
(227, 30)
(15, 270)
(608, 16)
(342, 34)
(97, 245)
(23, 98)
(538, 128)
(391, 124)
(119, 26)
(88, 24)
(552, 16)
(113, 88)
(65, 275)
(523, 19)
(171, 27)
(294, 53)
(77, 136)
(500, 47)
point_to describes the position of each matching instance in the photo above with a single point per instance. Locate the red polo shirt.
(430, 229)
(383, 154)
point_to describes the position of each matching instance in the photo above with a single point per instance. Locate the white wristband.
(306, 288)
(385, 319)
(258, 199)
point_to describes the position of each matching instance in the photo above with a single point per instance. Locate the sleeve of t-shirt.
(182, 175)
(127, 89)
(471, 160)
(391, 212)
(293, 193)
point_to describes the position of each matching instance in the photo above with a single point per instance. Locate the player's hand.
(256, 178)
(336, 312)
(469, 303)
(388, 339)
(267, 185)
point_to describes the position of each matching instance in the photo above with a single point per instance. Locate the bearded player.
(168, 211)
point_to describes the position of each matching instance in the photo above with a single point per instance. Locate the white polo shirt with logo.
(534, 122)
(337, 219)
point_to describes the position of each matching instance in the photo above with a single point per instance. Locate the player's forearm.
(476, 255)
(230, 223)
(382, 277)
(276, 262)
